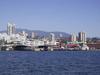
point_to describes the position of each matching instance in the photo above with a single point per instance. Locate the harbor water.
(50, 63)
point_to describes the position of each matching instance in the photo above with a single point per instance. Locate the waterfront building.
(10, 28)
(37, 42)
(24, 34)
(82, 37)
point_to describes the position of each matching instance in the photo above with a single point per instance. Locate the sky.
(70, 16)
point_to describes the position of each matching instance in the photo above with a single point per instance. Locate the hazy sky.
(70, 16)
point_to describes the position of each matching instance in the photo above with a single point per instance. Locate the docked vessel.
(84, 47)
(22, 48)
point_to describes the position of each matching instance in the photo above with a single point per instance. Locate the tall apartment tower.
(82, 37)
(10, 28)
(52, 38)
(73, 38)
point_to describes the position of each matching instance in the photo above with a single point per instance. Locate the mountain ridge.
(41, 33)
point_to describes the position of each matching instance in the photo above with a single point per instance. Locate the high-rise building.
(73, 38)
(82, 37)
(10, 28)
(52, 38)
(33, 35)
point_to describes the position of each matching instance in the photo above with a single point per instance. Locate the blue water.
(50, 63)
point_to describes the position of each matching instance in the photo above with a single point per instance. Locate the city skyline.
(68, 16)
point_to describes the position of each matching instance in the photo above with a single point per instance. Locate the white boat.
(85, 47)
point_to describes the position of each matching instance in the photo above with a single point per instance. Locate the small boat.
(85, 47)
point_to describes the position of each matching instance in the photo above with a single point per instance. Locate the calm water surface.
(50, 63)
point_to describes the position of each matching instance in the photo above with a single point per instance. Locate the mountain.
(42, 33)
